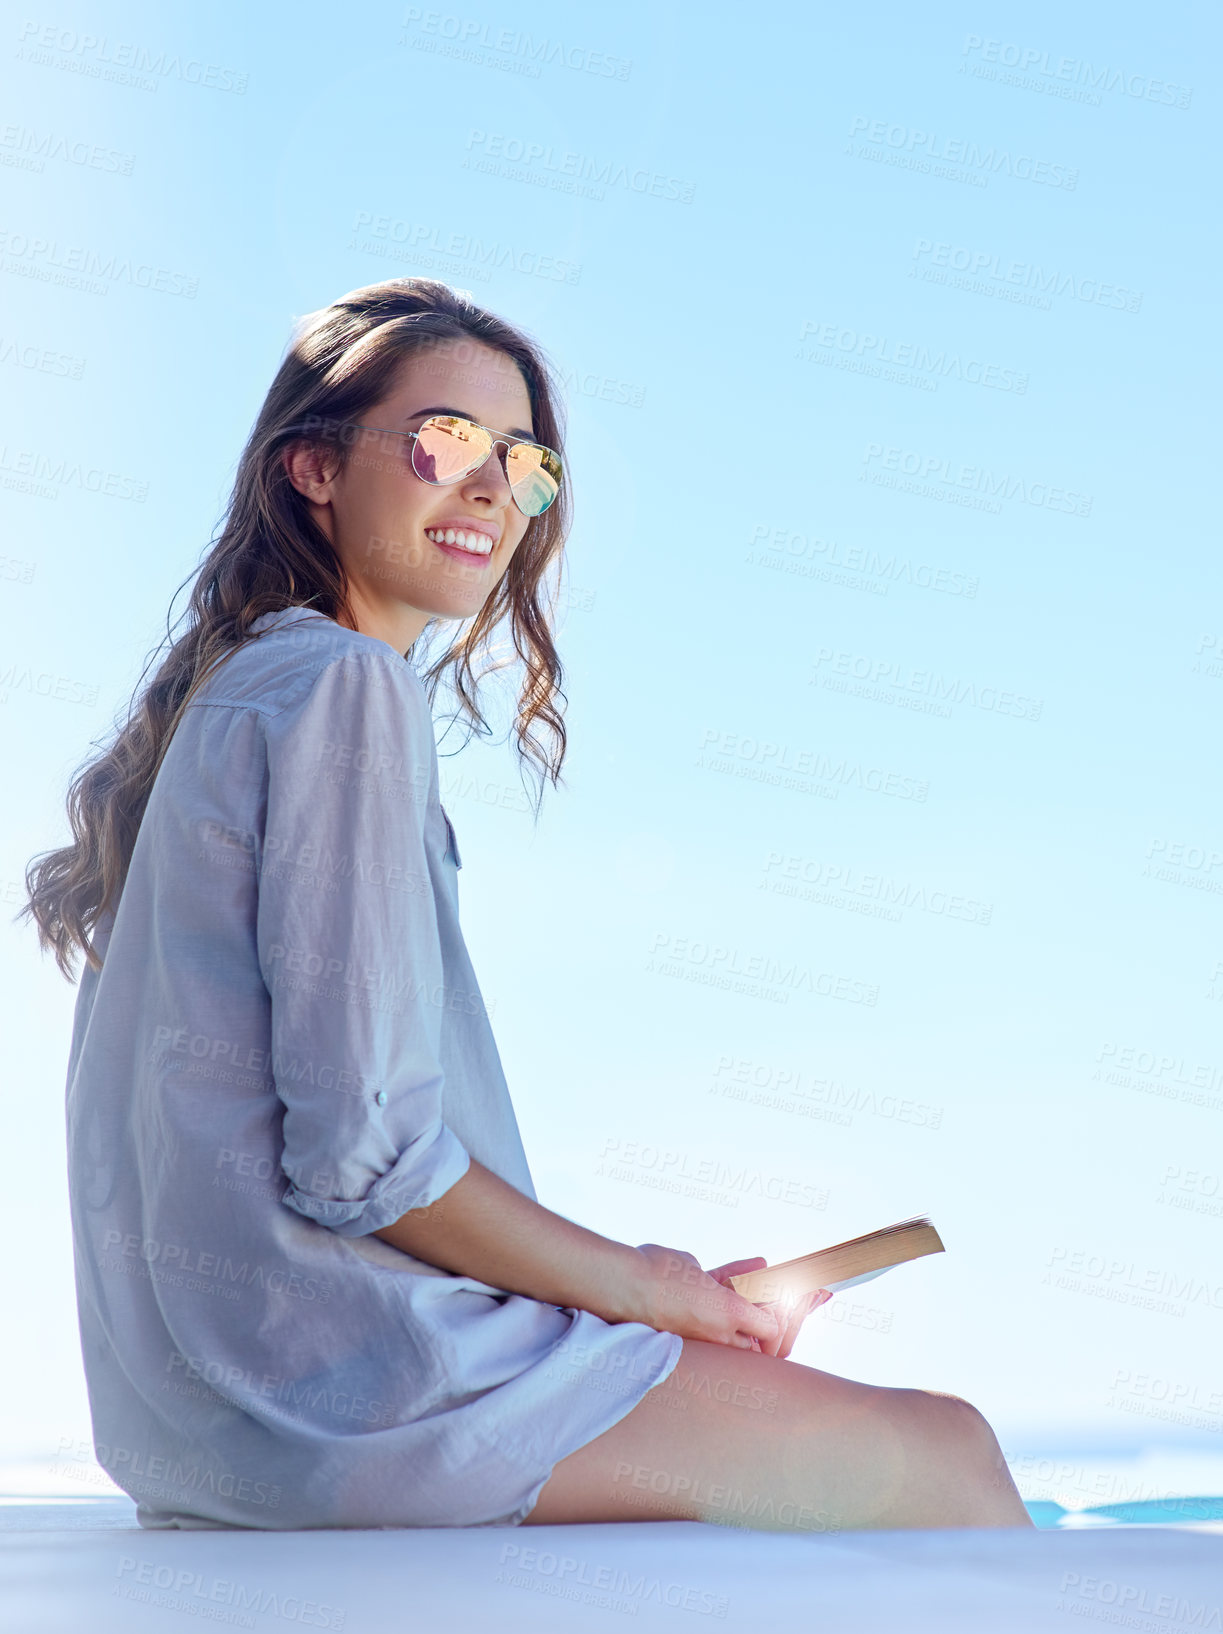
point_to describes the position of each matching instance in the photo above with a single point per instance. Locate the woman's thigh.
(744, 1439)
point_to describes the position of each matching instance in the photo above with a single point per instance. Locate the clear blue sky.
(893, 632)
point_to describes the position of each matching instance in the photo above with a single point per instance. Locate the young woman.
(316, 1287)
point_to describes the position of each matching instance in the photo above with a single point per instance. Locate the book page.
(852, 1282)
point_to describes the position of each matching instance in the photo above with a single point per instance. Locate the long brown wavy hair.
(271, 555)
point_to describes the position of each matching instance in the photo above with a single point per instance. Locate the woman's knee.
(971, 1424)
(960, 1441)
(949, 1421)
(774, 1432)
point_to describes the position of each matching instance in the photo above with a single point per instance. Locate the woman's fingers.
(790, 1317)
(787, 1318)
(770, 1327)
(798, 1317)
(819, 1297)
(677, 1296)
(733, 1268)
(762, 1326)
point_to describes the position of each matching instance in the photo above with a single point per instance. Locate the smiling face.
(414, 551)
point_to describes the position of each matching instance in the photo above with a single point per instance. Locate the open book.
(843, 1265)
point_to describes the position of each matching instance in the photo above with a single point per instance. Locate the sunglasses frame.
(496, 438)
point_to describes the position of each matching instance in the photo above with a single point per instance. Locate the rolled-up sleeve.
(349, 948)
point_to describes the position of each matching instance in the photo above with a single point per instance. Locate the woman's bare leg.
(744, 1439)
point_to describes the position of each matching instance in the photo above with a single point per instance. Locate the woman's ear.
(311, 469)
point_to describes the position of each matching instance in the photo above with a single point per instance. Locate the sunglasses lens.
(448, 449)
(535, 477)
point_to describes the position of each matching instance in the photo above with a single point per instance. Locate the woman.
(316, 1288)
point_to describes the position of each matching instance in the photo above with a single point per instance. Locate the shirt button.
(380, 1097)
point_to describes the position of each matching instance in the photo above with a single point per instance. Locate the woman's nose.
(492, 475)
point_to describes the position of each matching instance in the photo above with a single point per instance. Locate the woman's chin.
(453, 602)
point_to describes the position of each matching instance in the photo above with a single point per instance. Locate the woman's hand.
(790, 1314)
(673, 1295)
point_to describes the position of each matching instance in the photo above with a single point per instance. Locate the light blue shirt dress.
(285, 1050)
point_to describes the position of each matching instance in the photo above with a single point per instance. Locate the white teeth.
(476, 544)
